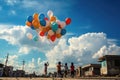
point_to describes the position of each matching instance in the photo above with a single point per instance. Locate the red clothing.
(72, 68)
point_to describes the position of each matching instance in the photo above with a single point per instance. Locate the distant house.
(19, 73)
(91, 70)
(79, 72)
(110, 65)
(7, 71)
(1, 69)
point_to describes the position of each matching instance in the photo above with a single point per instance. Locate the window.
(103, 63)
(117, 62)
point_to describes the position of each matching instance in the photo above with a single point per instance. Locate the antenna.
(23, 64)
(6, 59)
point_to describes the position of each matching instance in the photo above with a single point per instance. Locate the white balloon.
(50, 13)
(29, 35)
(58, 22)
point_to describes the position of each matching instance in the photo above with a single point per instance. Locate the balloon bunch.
(50, 27)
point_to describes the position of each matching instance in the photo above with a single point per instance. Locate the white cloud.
(32, 66)
(11, 2)
(16, 35)
(24, 50)
(12, 12)
(11, 60)
(5, 26)
(39, 61)
(13, 34)
(81, 50)
(107, 50)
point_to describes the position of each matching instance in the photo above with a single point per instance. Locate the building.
(19, 73)
(1, 69)
(91, 70)
(79, 72)
(7, 71)
(110, 65)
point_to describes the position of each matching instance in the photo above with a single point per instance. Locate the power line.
(6, 59)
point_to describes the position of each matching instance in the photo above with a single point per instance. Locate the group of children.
(59, 71)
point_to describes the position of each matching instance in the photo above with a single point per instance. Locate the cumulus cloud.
(81, 50)
(107, 50)
(24, 50)
(11, 60)
(16, 35)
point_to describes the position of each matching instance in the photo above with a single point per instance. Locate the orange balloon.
(48, 36)
(58, 35)
(28, 23)
(35, 23)
(35, 16)
(48, 28)
(53, 18)
(44, 29)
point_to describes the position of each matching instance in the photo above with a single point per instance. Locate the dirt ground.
(59, 78)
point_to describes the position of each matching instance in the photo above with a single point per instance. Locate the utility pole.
(23, 64)
(6, 59)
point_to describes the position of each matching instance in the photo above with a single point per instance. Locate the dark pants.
(72, 74)
(59, 73)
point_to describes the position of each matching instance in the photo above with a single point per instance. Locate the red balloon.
(42, 33)
(53, 37)
(59, 26)
(46, 18)
(68, 21)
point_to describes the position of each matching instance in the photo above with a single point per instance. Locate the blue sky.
(91, 20)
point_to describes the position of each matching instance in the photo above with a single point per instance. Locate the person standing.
(59, 69)
(45, 68)
(72, 69)
(65, 70)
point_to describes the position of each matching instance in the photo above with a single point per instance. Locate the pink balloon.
(62, 24)
(50, 32)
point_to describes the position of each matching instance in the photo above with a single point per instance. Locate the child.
(59, 69)
(72, 69)
(66, 69)
(45, 68)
